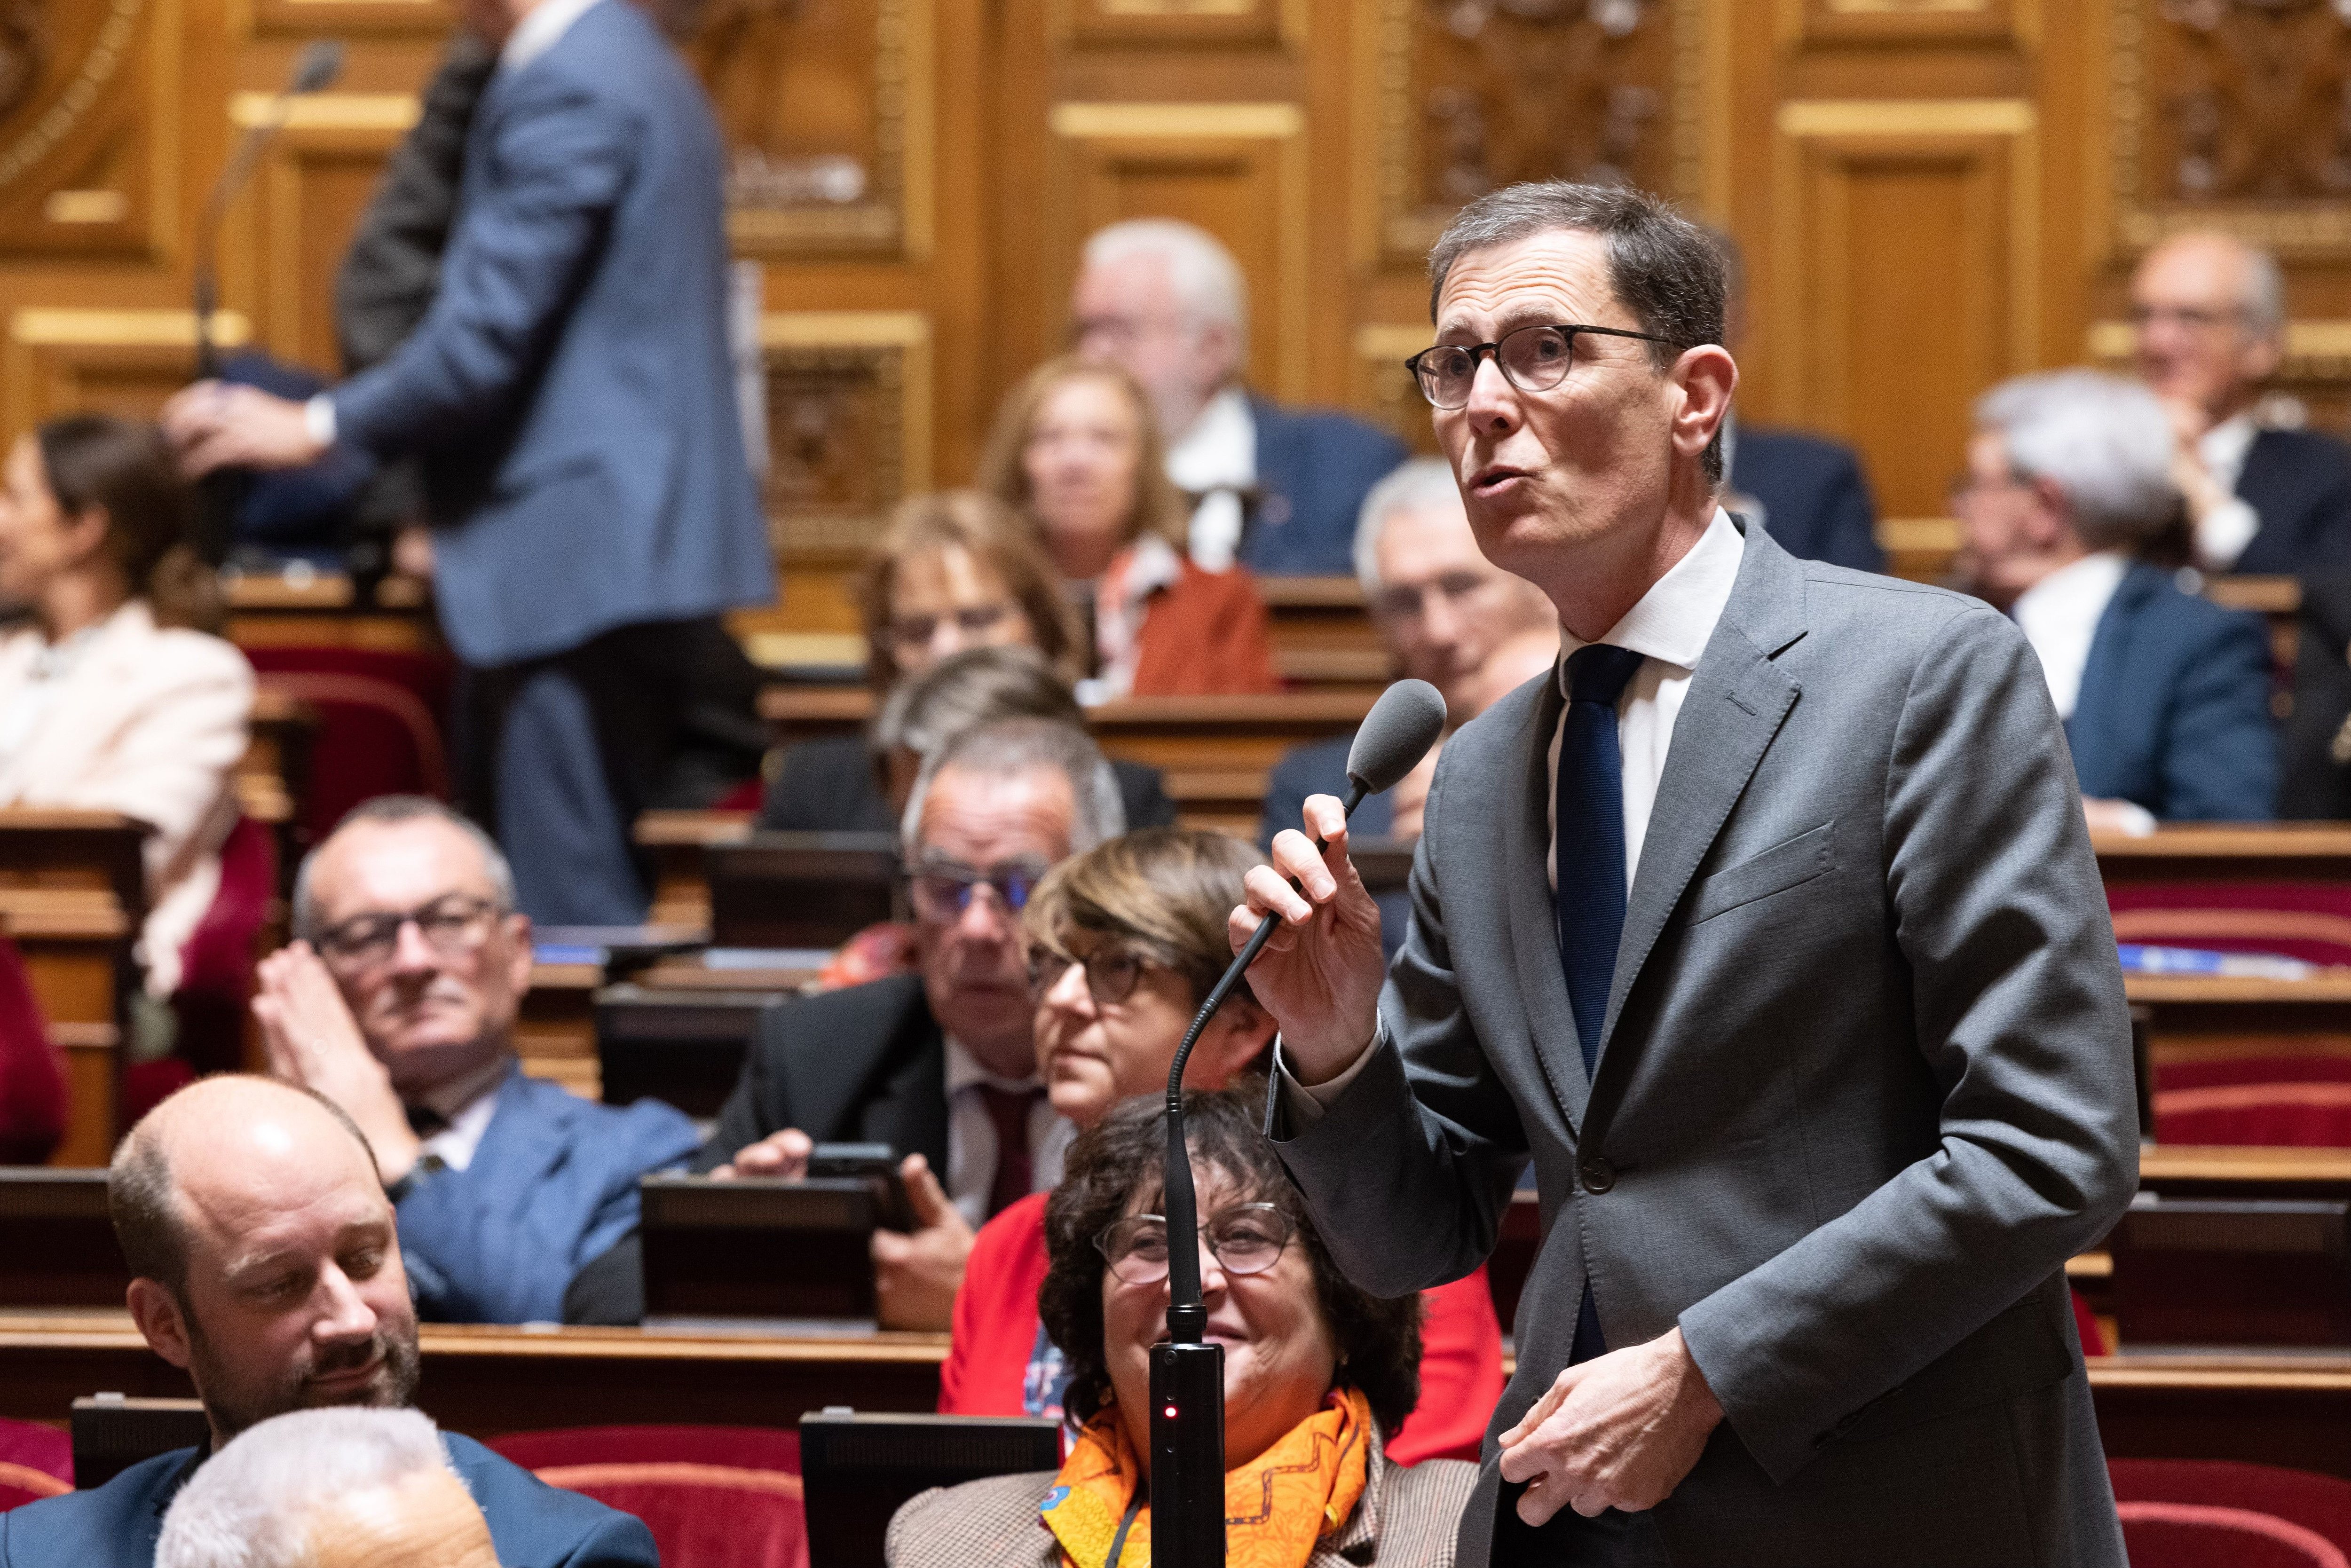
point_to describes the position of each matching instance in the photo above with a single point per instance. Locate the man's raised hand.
(1320, 974)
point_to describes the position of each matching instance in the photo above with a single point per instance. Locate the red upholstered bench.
(36, 1461)
(715, 1496)
(2314, 1503)
(2195, 1535)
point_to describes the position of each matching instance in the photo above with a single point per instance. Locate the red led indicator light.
(1171, 1412)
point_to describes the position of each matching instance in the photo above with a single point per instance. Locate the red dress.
(996, 1336)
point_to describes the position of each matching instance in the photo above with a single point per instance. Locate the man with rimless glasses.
(397, 1001)
(939, 1064)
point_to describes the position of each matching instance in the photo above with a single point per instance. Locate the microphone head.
(1395, 734)
(318, 67)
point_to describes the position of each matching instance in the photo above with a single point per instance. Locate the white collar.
(1218, 449)
(540, 31)
(963, 1070)
(2225, 444)
(2076, 592)
(1674, 620)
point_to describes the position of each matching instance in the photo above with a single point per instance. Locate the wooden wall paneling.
(368, 19)
(120, 361)
(303, 208)
(1383, 389)
(1179, 23)
(1904, 22)
(90, 105)
(1906, 272)
(1238, 170)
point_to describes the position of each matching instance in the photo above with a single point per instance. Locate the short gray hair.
(1663, 268)
(389, 808)
(978, 686)
(1207, 280)
(256, 1502)
(2104, 441)
(1416, 485)
(2264, 302)
(1018, 746)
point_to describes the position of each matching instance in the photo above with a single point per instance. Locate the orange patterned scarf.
(1276, 1506)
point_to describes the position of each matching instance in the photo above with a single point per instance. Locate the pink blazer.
(150, 723)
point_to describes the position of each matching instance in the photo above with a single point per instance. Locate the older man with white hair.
(2163, 694)
(328, 1488)
(2210, 312)
(1274, 488)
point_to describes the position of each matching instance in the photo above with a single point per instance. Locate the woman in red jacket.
(1077, 453)
(1125, 941)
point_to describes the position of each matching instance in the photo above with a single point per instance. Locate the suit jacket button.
(1598, 1174)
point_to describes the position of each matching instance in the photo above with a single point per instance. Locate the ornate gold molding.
(2316, 349)
(883, 357)
(1171, 121)
(387, 112)
(123, 328)
(1907, 117)
(85, 90)
(1381, 351)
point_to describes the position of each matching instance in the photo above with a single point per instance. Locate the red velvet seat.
(2319, 1503)
(2300, 1115)
(32, 1073)
(380, 723)
(2309, 921)
(36, 1461)
(715, 1496)
(2197, 1535)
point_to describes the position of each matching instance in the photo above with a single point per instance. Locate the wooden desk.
(677, 842)
(2275, 1409)
(2197, 1018)
(487, 1380)
(2276, 599)
(273, 778)
(72, 894)
(685, 1045)
(2252, 851)
(1323, 636)
(318, 609)
(2180, 1170)
(555, 1031)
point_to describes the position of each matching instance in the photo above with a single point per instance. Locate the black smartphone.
(876, 1163)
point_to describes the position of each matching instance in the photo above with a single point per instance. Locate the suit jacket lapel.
(1737, 700)
(2108, 658)
(521, 1144)
(1534, 919)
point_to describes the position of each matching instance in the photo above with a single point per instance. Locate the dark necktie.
(1015, 1169)
(424, 1121)
(1590, 845)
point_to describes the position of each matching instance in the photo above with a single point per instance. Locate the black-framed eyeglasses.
(1246, 1239)
(971, 619)
(452, 925)
(943, 890)
(1111, 973)
(1532, 359)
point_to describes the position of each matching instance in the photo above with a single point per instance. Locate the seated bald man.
(398, 1003)
(328, 1488)
(266, 1264)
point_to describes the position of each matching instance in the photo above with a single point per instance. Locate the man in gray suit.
(1808, 1014)
(571, 392)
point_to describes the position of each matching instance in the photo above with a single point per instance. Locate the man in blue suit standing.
(2165, 696)
(266, 1265)
(570, 395)
(1274, 488)
(397, 1003)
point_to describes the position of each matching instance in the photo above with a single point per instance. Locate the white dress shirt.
(971, 1134)
(2060, 614)
(1216, 459)
(2222, 533)
(1670, 627)
(467, 1108)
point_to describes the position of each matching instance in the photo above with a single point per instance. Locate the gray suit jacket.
(1866, 1082)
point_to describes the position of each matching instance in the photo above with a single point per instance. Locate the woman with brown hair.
(114, 696)
(1078, 454)
(954, 573)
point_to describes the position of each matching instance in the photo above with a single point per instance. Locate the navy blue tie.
(1590, 846)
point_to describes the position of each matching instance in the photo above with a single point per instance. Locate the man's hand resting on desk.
(784, 1154)
(1320, 974)
(1620, 1430)
(915, 1277)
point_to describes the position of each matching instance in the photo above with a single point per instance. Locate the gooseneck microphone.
(1187, 1375)
(217, 493)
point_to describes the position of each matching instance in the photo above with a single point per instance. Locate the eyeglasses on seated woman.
(1124, 942)
(1316, 1372)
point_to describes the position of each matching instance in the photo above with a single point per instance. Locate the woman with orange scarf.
(1314, 1371)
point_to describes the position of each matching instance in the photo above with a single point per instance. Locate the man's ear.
(1239, 1033)
(160, 1324)
(85, 530)
(519, 960)
(2053, 514)
(1706, 376)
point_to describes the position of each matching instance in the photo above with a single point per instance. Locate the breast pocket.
(1784, 866)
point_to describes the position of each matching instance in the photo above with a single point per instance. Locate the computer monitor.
(857, 1470)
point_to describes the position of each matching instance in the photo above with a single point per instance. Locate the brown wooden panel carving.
(1185, 23)
(825, 105)
(848, 399)
(2233, 113)
(109, 361)
(81, 112)
(1476, 94)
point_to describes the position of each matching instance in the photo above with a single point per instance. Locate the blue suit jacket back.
(1313, 469)
(2299, 482)
(1816, 502)
(552, 1185)
(532, 1524)
(2174, 711)
(571, 389)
